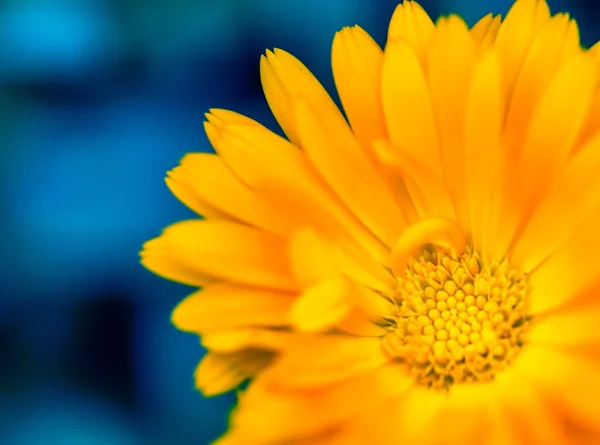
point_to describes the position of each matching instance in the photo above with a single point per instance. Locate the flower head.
(422, 272)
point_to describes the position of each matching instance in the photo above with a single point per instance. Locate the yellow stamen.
(467, 332)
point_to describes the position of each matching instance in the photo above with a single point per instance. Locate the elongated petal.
(227, 250)
(407, 104)
(356, 61)
(226, 306)
(484, 159)
(219, 373)
(576, 189)
(451, 65)
(411, 23)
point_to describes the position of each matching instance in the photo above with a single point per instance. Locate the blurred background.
(98, 99)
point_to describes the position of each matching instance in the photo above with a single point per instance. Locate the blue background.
(98, 99)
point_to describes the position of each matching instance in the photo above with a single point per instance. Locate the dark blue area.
(98, 99)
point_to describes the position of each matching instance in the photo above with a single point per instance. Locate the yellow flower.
(427, 274)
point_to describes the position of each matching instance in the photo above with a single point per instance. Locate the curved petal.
(407, 105)
(356, 61)
(226, 250)
(484, 158)
(219, 373)
(225, 306)
(576, 189)
(451, 65)
(411, 23)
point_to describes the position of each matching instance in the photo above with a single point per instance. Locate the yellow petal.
(356, 62)
(271, 415)
(569, 381)
(288, 193)
(484, 159)
(169, 266)
(573, 328)
(425, 186)
(410, 22)
(484, 32)
(219, 373)
(450, 69)
(526, 412)
(438, 231)
(345, 167)
(226, 306)
(357, 322)
(278, 95)
(575, 262)
(225, 342)
(592, 124)
(332, 148)
(516, 32)
(321, 306)
(471, 402)
(333, 359)
(554, 127)
(258, 155)
(227, 250)
(419, 408)
(407, 106)
(190, 198)
(210, 179)
(576, 189)
(545, 55)
(314, 258)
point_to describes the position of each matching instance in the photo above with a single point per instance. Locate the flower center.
(457, 319)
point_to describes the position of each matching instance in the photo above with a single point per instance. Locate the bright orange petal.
(484, 159)
(411, 23)
(451, 66)
(226, 250)
(219, 373)
(516, 32)
(226, 306)
(356, 61)
(576, 189)
(407, 105)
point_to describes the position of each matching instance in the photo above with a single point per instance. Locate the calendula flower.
(424, 272)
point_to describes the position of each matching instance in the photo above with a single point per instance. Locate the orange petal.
(450, 68)
(572, 328)
(321, 306)
(554, 128)
(484, 32)
(516, 32)
(190, 198)
(484, 159)
(227, 306)
(407, 105)
(526, 413)
(226, 250)
(210, 179)
(356, 61)
(571, 270)
(569, 382)
(426, 188)
(314, 258)
(545, 55)
(219, 373)
(333, 359)
(350, 173)
(576, 189)
(411, 23)
(267, 415)
(168, 265)
(438, 231)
